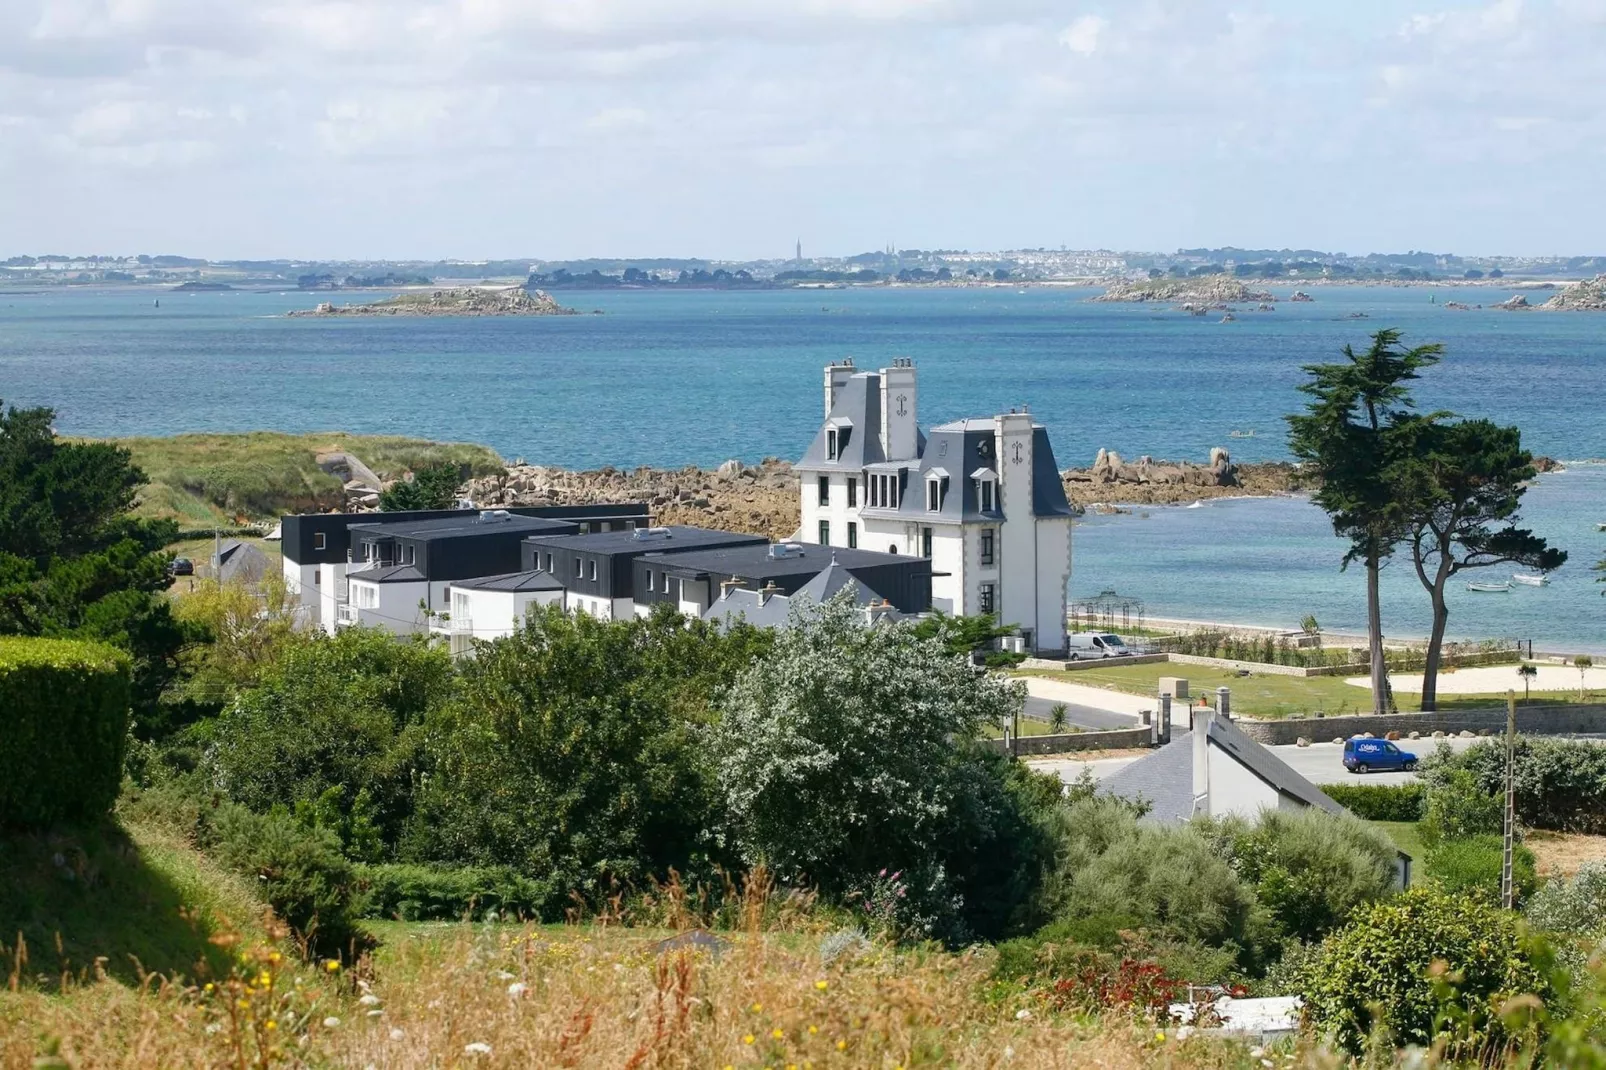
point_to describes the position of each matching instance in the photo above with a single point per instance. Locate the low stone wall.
(1114, 739)
(1261, 667)
(1531, 720)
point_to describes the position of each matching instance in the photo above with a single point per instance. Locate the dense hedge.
(1560, 783)
(63, 727)
(1379, 802)
(440, 893)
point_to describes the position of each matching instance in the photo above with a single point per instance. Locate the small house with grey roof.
(979, 498)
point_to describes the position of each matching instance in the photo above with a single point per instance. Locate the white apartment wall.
(836, 509)
(1053, 578)
(947, 555)
(601, 608)
(397, 609)
(883, 535)
(302, 582)
(495, 614)
(1235, 790)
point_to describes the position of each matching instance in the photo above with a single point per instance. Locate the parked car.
(1365, 755)
(182, 566)
(1095, 645)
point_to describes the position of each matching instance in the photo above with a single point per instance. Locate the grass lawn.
(1405, 837)
(1268, 695)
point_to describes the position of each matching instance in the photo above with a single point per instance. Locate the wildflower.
(1022, 1014)
(748, 1039)
(822, 985)
(332, 965)
(1160, 1036)
(242, 1004)
(207, 987)
(757, 1007)
(777, 1034)
(270, 1024)
(274, 956)
(332, 1022)
(479, 1047)
(841, 1045)
(265, 978)
(813, 1029)
(517, 989)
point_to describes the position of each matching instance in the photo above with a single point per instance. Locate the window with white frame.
(366, 597)
(320, 541)
(988, 537)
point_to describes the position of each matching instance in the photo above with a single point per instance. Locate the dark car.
(182, 566)
(1365, 755)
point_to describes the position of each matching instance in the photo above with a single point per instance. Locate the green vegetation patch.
(63, 726)
(207, 478)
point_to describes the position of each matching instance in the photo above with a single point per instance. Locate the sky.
(422, 129)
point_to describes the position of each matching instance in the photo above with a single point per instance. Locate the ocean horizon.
(696, 377)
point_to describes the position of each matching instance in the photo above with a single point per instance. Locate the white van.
(1095, 645)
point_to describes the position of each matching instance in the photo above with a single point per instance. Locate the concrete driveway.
(1042, 709)
(1084, 697)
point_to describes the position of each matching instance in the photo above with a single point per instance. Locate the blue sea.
(672, 378)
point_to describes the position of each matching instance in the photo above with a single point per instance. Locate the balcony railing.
(346, 613)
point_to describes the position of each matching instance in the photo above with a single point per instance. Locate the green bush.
(1310, 869)
(300, 872)
(63, 727)
(1575, 907)
(445, 893)
(1458, 807)
(1434, 966)
(1471, 866)
(1560, 783)
(1379, 802)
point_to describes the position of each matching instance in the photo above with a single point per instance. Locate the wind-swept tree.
(1348, 437)
(1462, 483)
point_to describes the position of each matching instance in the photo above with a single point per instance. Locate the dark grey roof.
(1268, 767)
(753, 560)
(636, 542)
(1048, 493)
(953, 450)
(1164, 779)
(532, 580)
(858, 401)
(391, 574)
(462, 524)
(773, 611)
(241, 561)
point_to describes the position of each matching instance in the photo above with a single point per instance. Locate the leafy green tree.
(341, 714)
(1310, 869)
(1527, 671)
(1583, 663)
(434, 486)
(1461, 484)
(576, 755)
(852, 751)
(247, 627)
(1349, 439)
(73, 563)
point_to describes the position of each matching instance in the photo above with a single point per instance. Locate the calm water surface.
(695, 378)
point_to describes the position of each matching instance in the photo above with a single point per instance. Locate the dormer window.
(986, 489)
(837, 433)
(986, 495)
(936, 489)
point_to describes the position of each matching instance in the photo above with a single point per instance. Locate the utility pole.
(1511, 795)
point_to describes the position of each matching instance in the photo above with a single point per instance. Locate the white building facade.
(981, 498)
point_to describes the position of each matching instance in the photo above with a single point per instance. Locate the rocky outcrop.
(466, 301)
(1588, 295)
(1512, 303)
(1209, 290)
(761, 499)
(1113, 480)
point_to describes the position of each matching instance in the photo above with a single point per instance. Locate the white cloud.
(1082, 36)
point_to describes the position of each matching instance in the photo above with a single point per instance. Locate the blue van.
(1365, 755)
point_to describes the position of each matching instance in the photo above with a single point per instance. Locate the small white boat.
(1490, 588)
(1530, 579)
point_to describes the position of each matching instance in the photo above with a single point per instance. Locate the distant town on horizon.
(887, 265)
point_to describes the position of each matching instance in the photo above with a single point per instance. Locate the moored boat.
(1530, 579)
(1490, 588)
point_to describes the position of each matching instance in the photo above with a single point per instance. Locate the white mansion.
(980, 498)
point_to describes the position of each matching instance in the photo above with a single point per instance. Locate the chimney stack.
(836, 374)
(900, 429)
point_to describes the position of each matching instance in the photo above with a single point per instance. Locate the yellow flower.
(242, 1004)
(748, 1039)
(331, 965)
(207, 987)
(777, 1034)
(822, 985)
(274, 956)
(757, 1007)
(265, 979)
(813, 1029)
(1160, 1035)
(841, 1045)
(270, 1024)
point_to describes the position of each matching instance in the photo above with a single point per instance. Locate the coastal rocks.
(1208, 291)
(759, 499)
(1108, 467)
(1513, 303)
(1300, 295)
(1589, 295)
(1111, 480)
(464, 301)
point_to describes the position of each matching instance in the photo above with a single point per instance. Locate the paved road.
(1042, 709)
(1320, 763)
